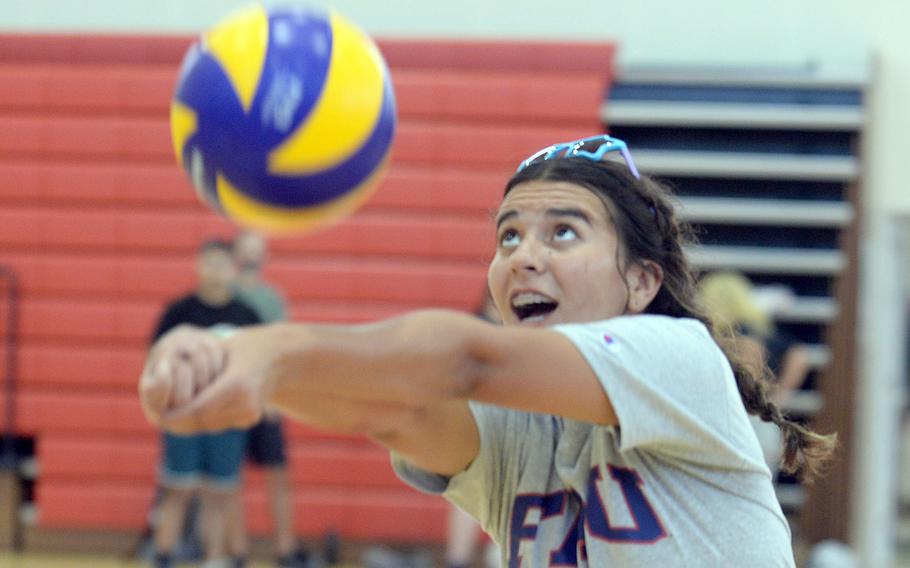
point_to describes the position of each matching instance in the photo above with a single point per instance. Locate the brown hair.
(648, 229)
(216, 244)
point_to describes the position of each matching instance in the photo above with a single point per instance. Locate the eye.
(564, 233)
(509, 238)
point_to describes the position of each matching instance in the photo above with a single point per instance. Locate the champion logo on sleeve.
(610, 342)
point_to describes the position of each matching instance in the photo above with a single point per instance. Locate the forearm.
(439, 438)
(402, 383)
(436, 357)
(412, 361)
(794, 369)
(347, 415)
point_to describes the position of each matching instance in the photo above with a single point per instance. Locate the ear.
(645, 279)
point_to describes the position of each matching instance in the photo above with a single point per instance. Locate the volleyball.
(283, 117)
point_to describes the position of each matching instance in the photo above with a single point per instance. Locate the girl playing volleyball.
(602, 425)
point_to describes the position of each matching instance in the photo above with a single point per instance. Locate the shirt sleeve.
(250, 316)
(670, 385)
(273, 305)
(281, 306)
(486, 489)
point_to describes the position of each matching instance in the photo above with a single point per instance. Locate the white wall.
(888, 135)
(884, 256)
(665, 30)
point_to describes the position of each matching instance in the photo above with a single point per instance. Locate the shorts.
(265, 443)
(210, 459)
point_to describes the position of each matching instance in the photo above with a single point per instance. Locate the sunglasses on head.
(593, 148)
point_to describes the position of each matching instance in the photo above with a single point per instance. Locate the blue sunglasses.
(593, 148)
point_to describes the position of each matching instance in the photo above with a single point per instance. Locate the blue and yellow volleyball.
(283, 117)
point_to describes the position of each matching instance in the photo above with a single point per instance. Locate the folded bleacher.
(766, 163)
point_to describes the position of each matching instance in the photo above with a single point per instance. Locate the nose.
(527, 257)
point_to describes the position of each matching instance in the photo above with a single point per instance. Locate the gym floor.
(38, 560)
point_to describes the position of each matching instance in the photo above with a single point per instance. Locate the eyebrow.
(505, 217)
(569, 212)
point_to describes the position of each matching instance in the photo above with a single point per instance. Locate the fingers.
(224, 404)
(226, 418)
(208, 360)
(198, 361)
(182, 363)
(188, 387)
(184, 382)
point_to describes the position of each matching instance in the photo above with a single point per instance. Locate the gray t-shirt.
(681, 481)
(265, 300)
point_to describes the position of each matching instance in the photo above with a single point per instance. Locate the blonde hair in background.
(728, 298)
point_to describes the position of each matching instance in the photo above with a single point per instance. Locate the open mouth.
(531, 306)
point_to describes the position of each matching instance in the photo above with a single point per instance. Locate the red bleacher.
(100, 225)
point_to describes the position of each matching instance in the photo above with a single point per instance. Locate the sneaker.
(384, 557)
(331, 548)
(297, 559)
(164, 560)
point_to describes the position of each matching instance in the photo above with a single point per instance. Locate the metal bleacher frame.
(741, 105)
(10, 487)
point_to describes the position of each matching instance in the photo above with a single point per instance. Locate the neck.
(215, 298)
(249, 279)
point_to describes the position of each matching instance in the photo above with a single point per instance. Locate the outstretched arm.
(404, 381)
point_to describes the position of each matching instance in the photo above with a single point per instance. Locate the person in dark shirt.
(209, 463)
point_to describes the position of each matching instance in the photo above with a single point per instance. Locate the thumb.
(155, 390)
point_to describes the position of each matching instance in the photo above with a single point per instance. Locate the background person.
(206, 463)
(730, 299)
(266, 441)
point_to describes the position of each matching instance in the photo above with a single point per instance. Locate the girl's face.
(556, 259)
